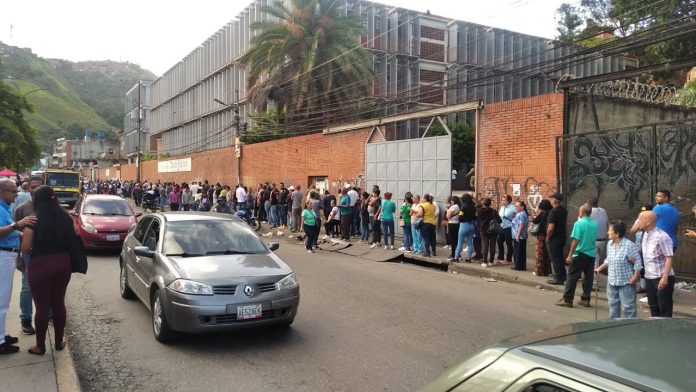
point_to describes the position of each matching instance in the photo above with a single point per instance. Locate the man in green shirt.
(581, 259)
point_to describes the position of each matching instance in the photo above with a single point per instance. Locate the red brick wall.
(516, 142)
(432, 33)
(431, 51)
(340, 157)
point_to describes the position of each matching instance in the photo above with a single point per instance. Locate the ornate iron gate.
(624, 168)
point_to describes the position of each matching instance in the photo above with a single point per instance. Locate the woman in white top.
(453, 224)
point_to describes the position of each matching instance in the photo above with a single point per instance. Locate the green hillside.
(71, 97)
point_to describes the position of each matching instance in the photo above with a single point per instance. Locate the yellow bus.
(65, 183)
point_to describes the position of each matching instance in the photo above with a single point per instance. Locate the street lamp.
(237, 128)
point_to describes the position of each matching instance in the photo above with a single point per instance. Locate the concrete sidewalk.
(22, 371)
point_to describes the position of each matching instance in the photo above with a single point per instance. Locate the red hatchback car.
(103, 221)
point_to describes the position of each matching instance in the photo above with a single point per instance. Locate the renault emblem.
(248, 290)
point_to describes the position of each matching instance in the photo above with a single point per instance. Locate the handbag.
(536, 229)
(493, 227)
(78, 257)
(418, 223)
(402, 222)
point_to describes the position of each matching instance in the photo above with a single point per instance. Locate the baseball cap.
(557, 196)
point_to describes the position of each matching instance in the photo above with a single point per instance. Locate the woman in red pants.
(48, 241)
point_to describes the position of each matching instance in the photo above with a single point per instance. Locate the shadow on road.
(247, 340)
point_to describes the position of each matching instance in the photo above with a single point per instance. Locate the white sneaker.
(309, 251)
(446, 247)
(402, 249)
(374, 245)
(484, 265)
(386, 246)
(391, 247)
(325, 237)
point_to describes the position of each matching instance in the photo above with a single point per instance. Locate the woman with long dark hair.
(466, 228)
(452, 216)
(49, 242)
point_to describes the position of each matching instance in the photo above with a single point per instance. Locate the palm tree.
(306, 59)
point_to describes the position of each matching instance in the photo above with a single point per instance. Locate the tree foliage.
(304, 58)
(463, 142)
(624, 18)
(18, 146)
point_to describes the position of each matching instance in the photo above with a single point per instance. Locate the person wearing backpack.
(490, 228)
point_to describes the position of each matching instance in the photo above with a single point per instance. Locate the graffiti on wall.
(358, 181)
(621, 159)
(677, 154)
(532, 191)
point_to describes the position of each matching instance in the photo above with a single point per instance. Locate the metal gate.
(624, 168)
(419, 166)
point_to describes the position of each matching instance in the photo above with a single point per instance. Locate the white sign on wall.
(174, 165)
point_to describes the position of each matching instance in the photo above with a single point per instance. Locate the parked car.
(607, 355)
(103, 221)
(205, 272)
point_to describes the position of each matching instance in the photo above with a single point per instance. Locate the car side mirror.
(273, 246)
(144, 251)
(138, 214)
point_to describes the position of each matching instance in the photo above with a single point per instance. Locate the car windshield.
(210, 237)
(107, 207)
(63, 179)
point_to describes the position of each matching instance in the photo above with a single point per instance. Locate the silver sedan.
(203, 272)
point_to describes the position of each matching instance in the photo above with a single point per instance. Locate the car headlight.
(190, 287)
(89, 228)
(288, 282)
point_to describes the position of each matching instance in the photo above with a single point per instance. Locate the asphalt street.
(361, 326)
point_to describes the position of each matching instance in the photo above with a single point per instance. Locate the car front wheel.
(160, 325)
(126, 292)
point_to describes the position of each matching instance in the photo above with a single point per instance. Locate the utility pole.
(238, 127)
(139, 133)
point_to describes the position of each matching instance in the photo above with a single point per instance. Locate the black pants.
(428, 234)
(376, 231)
(520, 254)
(555, 248)
(312, 233)
(345, 226)
(660, 301)
(488, 247)
(505, 238)
(582, 265)
(453, 235)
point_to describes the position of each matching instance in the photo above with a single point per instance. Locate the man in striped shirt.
(658, 256)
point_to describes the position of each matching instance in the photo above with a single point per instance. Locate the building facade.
(136, 121)
(420, 61)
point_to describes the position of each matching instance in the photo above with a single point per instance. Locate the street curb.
(66, 374)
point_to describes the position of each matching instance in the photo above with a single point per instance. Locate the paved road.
(362, 326)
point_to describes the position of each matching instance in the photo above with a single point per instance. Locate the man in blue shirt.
(507, 213)
(667, 215)
(9, 250)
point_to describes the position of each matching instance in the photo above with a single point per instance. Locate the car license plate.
(113, 237)
(246, 312)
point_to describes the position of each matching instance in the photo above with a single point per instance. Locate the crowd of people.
(473, 231)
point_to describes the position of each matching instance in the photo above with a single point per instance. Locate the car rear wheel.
(160, 325)
(254, 223)
(126, 292)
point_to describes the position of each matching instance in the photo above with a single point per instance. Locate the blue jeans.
(466, 233)
(408, 236)
(354, 220)
(388, 230)
(274, 215)
(365, 228)
(622, 295)
(162, 203)
(417, 240)
(26, 309)
(283, 215)
(267, 207)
